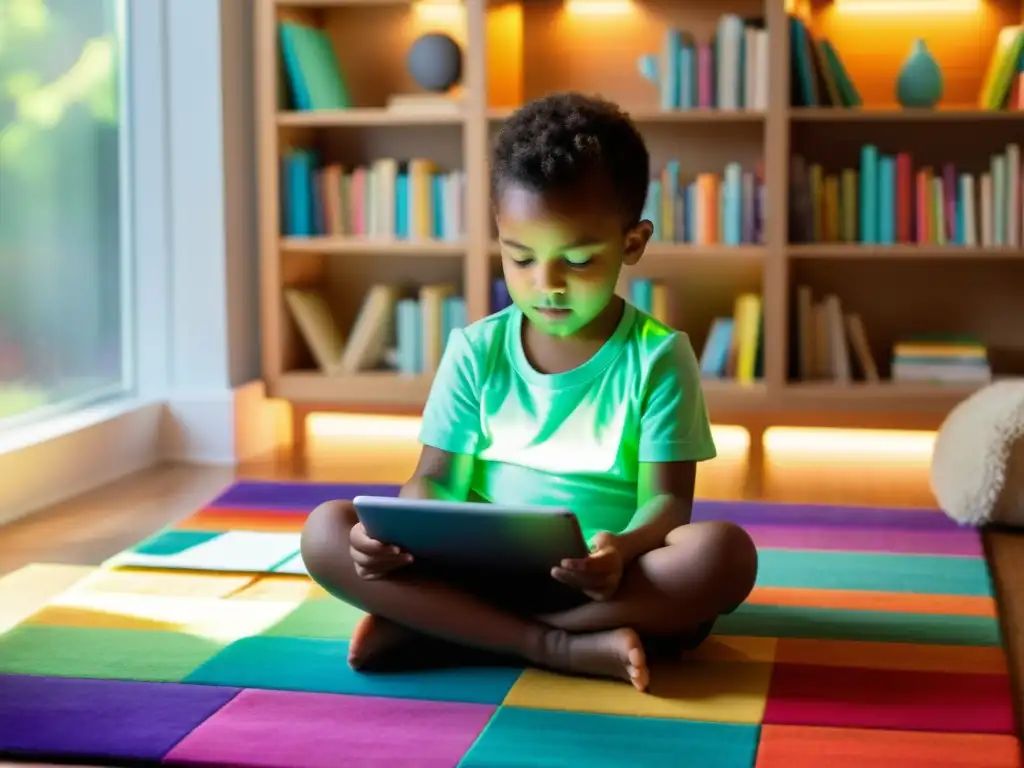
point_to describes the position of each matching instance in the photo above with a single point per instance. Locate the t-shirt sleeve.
(451, 417)
(674, 425)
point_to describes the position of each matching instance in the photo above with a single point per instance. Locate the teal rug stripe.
(167, 543)
(321, 666)
(518, 737)
(874, 572)
(872, 626)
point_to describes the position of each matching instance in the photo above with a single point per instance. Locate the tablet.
(474, 535)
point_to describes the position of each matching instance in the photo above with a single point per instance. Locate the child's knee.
(325, 536)
(733, 556)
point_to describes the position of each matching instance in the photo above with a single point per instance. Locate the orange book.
(924, 206)
(707, 199)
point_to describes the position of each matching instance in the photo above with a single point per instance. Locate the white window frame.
(43, 461)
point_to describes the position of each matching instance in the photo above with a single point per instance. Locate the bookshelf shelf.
(366, 116)
(341, 245)
(369, 388)
(870, 396)
(644, 115)
(516, 50)
(898, 115)
(924, 251)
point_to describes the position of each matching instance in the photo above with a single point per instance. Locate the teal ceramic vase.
(919, 85)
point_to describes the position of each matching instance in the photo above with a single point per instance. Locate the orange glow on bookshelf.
(906, 7)
(598, 7)
(442, 13)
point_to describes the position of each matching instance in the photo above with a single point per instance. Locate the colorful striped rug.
(872, 639)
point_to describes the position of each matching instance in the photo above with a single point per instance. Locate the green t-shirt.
(573, 439)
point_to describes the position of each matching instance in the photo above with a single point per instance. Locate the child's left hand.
(597, 575)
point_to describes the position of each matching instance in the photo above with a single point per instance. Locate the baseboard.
(114, 442)
(224, 428)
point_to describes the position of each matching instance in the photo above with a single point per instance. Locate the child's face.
(562, 255)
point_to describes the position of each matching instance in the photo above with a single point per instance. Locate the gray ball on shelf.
(435, 62)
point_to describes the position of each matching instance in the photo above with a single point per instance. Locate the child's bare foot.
(616, 653)
(375, 641)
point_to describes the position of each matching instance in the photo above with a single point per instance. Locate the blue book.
(669, 82)
(691, 212)
(732, 208)
(641, 294)
(869, 194)
(437, 205)
(687, 77)
(408, 336)
(402, 205)
(886, 200)
(300, 193)
(715, 355)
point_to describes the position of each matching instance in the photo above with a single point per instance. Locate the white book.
(987, 221)
(1013, 233)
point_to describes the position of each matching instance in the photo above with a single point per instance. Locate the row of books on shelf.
(888, 201)
(819, 78)
(395, 329)
(817, 73)
(832, 345)
(709, 209)
(728, 72)
(389, 198)
(733, 349)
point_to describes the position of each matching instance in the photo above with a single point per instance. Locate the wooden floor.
(89, 529)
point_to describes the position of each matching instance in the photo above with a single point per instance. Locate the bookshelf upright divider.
(514, 50)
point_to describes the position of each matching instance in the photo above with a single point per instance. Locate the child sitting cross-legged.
(570, 397)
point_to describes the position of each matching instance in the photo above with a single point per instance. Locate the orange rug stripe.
(986, 660)
(958, 605)
(788, 746)
(214, 519)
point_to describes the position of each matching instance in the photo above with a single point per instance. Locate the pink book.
(705, 76)
(949, 204)
(358, 200)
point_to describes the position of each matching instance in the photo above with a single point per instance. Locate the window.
(63, 256)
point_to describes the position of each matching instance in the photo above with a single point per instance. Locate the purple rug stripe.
(100, 720)
(299, 496)
(751, 513)
(270, 495)
(289, 729)
(850, 539)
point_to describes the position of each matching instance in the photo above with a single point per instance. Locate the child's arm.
(675, 434)
(665, 501)
(450, 430)
(439, 475)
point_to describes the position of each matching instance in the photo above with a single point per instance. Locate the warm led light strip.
(906, 7)
(837, 445)
(598, 7)
(336, 426)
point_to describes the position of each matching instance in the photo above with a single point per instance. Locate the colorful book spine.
(727, 71)
(387, 199)
(893, 202)
(708, 208)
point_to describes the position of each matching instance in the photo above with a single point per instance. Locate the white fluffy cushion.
(977, 469)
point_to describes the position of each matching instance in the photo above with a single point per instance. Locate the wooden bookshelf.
(517, 50)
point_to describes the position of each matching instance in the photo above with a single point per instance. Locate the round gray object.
(435, 62)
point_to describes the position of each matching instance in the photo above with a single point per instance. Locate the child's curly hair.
(556, 142)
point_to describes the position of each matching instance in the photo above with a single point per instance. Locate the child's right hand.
(373, 559)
